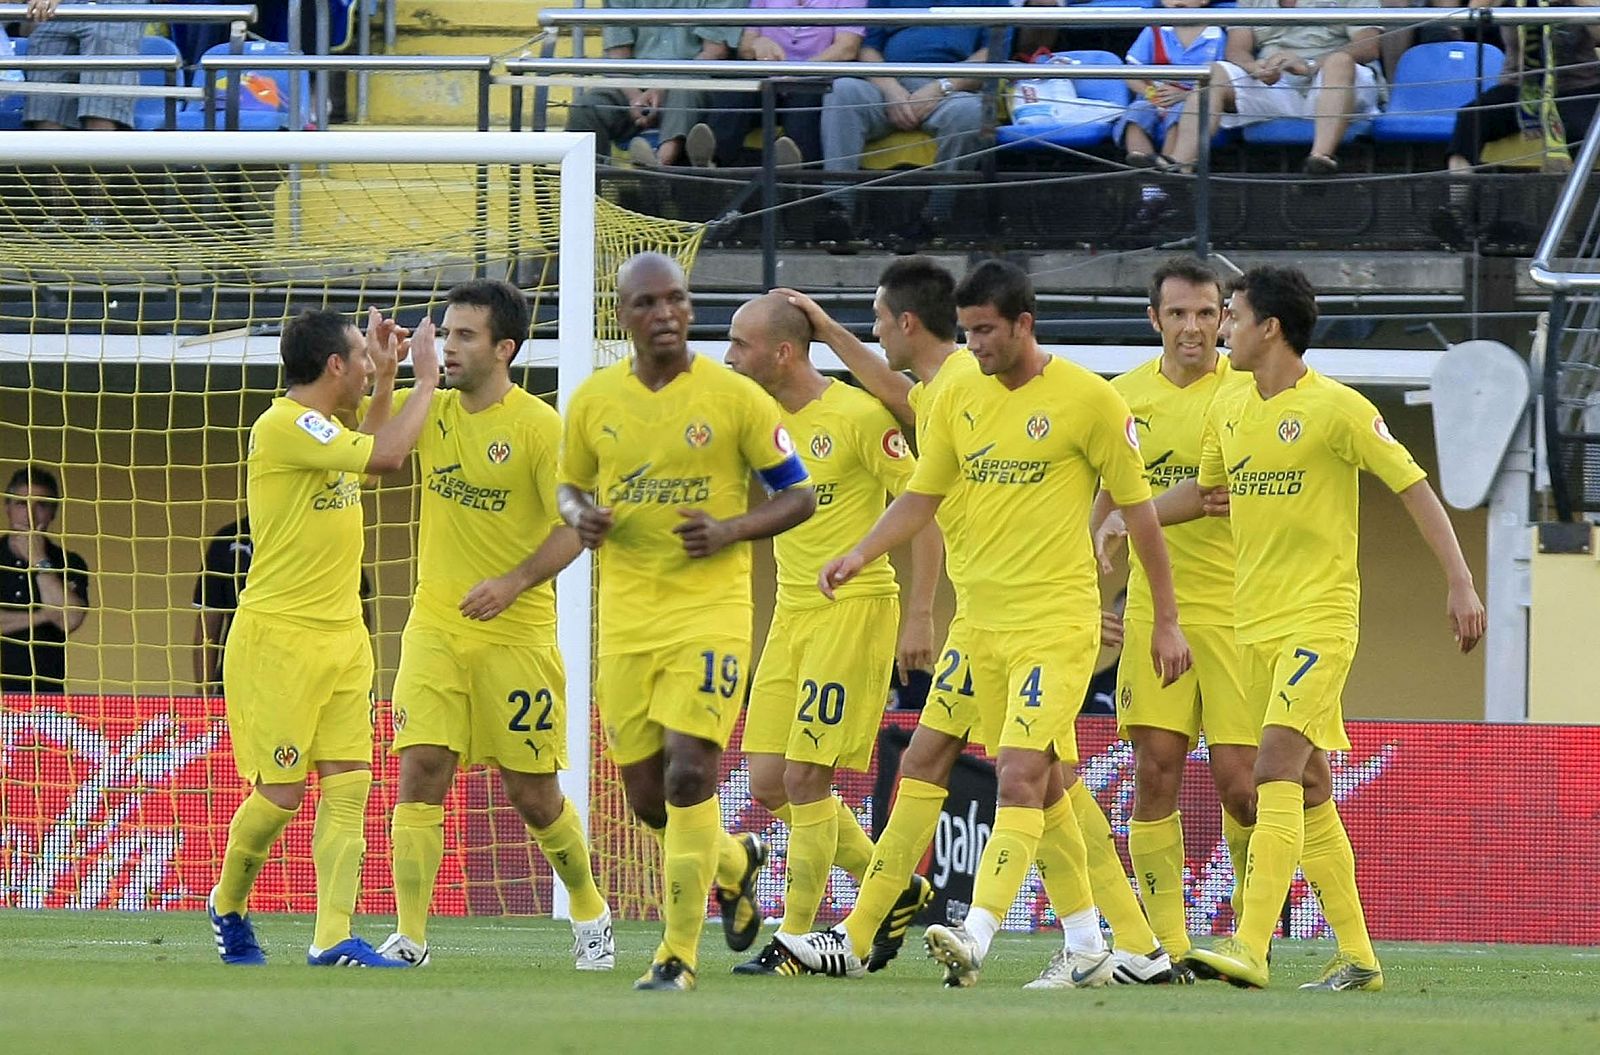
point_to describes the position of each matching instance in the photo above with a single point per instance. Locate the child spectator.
(1153, 116)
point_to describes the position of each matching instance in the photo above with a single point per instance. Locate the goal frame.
(576, 333)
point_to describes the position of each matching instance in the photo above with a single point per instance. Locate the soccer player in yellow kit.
(299, 675)
(1289, 450)
(656, 461)
(820, 690)
(914, 319)
(1170, 396)
(481, 679)
(1027, 439)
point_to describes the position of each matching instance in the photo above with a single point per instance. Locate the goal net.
(140, 305)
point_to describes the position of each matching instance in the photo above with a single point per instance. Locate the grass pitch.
(128, 984)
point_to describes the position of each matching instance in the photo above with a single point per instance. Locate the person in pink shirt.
(729, 116)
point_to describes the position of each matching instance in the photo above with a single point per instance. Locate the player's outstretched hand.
(489, 598)
(424, 353)
(839, 571)
(385, 339)
(1110, 630)
(702, 533)
(1111, 535)
(593, 525)
(915, 650)
(1170, 652)
(1214, 501)
(1467, 619)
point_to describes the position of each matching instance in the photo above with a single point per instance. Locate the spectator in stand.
(859, 110)
(620, 113)
(1152, 118)
(44, 590)
(730, 115)
(1321, 72)
(216, 598)
(102, 39)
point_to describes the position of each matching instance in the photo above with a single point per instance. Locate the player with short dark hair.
(1021, 442)
(297, 707)
(820, 690)
(656, 461)
(481, 678)
(1288, 452)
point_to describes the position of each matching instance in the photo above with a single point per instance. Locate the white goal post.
(573, 152)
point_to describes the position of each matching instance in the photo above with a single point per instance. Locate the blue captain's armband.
(786, 474)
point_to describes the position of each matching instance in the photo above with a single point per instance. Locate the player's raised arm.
(1464, 608)
(384, 339)
(885, 384)
(392, 443)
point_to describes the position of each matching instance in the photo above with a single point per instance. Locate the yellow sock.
(1157, 851)
(417, 832)
(564, 846)
(689, 866)
(1237, 836)
(901, 846)
(338, 844)
(812, 841)
(1329, 864)
(1005, 860)
(1063, 860)
(1274, 851)
(1113, 894)
(256, 825)
(854, 850)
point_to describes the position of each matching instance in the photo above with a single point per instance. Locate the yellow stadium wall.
(148, 481)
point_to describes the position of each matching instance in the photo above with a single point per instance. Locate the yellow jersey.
(959, 364)
(854, 453)
(488, 501)
(1171, 421)
(303, 476)
(650, 456)
(1031, 461)
(1292, 466)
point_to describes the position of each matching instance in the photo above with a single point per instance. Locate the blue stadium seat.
(1082, 134)
(264, 100)
(11, 105)
(1432, 82)
(1297, 132)
(151, 114)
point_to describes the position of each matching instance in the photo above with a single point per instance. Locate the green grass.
(124, 983)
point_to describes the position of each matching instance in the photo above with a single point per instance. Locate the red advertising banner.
(1462, 831)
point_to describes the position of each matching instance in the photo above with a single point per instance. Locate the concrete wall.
(148, 480)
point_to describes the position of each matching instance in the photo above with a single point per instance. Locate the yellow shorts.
(820, 689)
(296, 698)
(1209, 696)
(487, 701)
(1014, 688)
(694, 687)
(1301, 681)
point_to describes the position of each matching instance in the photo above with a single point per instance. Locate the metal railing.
(198, 13)
(1068, 16)
(171, 65)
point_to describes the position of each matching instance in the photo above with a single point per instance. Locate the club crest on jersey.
(697, 434)
(1130, 431)
(1289, 430)
(400, 717)
(1382, 429)
(1038, 427)
(499, 451)
(1127, 697)
(781, 440)
(895, 445)
(821, 445)
(286, 756)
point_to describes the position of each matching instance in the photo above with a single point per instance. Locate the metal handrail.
(171, 65)
(1059, 16)
(1542, 268)
(138, 13)
(767, 70)
(481, 65)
